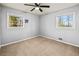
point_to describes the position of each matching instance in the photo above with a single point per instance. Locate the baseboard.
(53, 38)
(17, 41)
(56, 39)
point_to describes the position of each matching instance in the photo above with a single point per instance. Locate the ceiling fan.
(37, 6)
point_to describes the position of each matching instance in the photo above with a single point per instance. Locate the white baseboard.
(17, 41)
(53, 38)
(56, 39)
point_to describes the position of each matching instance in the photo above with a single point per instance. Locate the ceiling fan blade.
(36, 4)
(45, 6)
(40, 9)
(29, 5)
(32, 9)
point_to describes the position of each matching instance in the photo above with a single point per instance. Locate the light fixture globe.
(37, 8)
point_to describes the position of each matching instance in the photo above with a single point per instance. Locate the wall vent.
(60, 38)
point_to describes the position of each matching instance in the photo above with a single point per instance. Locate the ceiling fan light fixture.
(37, 8)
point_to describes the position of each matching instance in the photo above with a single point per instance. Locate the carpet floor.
(39, 46)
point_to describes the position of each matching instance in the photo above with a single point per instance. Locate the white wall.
(30, 29)
(44, 25)
(48, 26)
(0, 27)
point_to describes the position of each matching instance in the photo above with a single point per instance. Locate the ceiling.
(53, 7)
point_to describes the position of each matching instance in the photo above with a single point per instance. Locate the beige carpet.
(39, 46)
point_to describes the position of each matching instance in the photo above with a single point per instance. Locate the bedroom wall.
(0, 27)
(48, 26)
(44, 25)
(30, 29)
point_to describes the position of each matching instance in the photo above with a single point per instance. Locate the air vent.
(60, 38)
